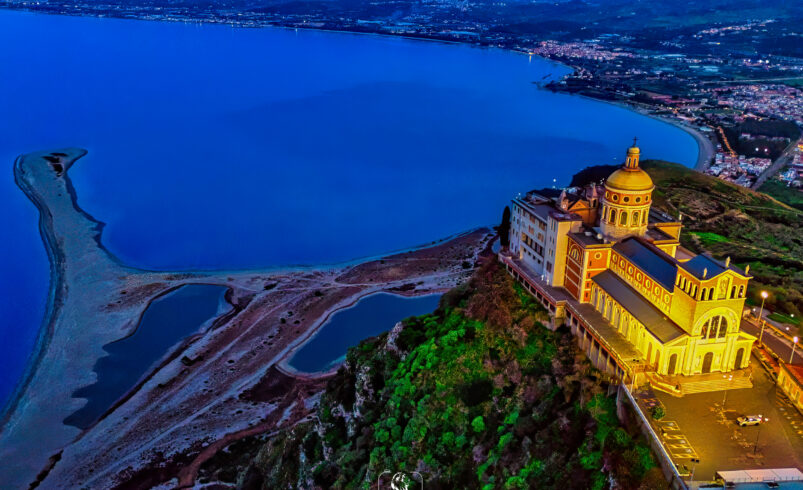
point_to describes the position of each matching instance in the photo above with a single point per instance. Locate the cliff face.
(478, 394)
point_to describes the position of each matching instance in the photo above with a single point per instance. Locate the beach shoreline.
(97, 301)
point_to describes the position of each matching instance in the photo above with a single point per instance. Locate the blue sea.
(220, 147)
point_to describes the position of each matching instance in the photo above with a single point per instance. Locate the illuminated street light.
(792, 357)
(694, 462)
(764, 295)
(725, 399)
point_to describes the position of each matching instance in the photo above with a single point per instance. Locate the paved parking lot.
(696, 426)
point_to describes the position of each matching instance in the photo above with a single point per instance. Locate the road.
(777, 344)
(777, 165)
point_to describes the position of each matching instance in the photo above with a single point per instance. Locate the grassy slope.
(788, 195)
(728, 220)
(476, 395)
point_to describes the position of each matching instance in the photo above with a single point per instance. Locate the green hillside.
(478, 394)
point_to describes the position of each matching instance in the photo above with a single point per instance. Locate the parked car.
(749, 420)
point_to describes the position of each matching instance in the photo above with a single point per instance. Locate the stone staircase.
(701, 383)
(716, 384)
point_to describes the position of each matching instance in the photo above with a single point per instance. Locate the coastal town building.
(611, 267)
(790, 379)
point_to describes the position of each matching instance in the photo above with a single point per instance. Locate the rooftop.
(795, 371)
(661, 327)
(701, 264)
(652, 261)
(587, 237)
(544, 207)
(608, 333)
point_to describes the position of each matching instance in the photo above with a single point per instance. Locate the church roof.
(652, 261)
(702, 263)
(661, 327)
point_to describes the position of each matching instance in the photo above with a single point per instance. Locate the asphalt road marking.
(675, 441)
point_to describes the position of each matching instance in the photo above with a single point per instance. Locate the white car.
(749, 420)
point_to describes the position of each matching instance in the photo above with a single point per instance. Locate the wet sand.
(216, 386)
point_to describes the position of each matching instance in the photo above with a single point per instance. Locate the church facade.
(672, 312)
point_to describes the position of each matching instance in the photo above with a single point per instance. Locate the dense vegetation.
(780, 191)
(478, 394)
(768, 138)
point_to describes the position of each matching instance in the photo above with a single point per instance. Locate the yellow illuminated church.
(607, 264)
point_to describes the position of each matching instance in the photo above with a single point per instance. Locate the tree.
(504, 228)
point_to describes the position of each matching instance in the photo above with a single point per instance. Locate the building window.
(625, 199)
(638, 199)
(636, 218)
(715, 327)
(741, 291)
(613, 216)
(623, 218)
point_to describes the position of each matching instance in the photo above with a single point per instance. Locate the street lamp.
(694, 462)
(761, 420)
(792, 357)
(764, 295)
(725, 399)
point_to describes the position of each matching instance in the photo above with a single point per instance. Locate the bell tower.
(627, 199)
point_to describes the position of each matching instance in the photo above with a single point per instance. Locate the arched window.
(741, 291)
(703, 294)
(715, 327)
(644, 220)
(636, 219)
(711, 294)
(623, 218)
(612, 219)
(733, 292)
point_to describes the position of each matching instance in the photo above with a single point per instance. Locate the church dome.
(626, 179)
(630, 177)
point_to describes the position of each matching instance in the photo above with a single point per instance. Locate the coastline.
(55, 283)
(284, 364)
(705, 149)
(96, 300)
